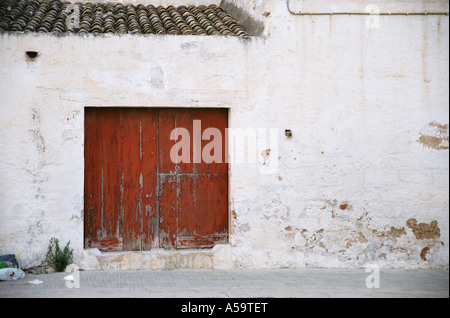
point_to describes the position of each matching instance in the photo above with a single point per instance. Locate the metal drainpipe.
(362, 13)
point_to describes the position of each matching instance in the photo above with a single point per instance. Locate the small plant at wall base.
(57, 258)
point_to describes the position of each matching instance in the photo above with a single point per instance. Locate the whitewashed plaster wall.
(363, 179)
(368, 160)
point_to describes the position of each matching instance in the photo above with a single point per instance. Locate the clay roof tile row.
(102, 17)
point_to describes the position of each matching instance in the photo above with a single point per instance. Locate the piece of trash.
(11, 273)
(10, 258)
(35, 282)
(4, 264)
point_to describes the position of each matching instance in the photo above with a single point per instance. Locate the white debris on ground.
(35, 282)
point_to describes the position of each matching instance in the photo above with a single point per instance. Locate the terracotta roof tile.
(103, 17)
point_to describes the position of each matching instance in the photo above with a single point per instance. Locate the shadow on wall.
(251, 25)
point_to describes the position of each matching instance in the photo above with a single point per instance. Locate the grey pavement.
(277, 283)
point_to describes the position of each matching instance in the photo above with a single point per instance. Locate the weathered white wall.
(364, 178)
(358, 102)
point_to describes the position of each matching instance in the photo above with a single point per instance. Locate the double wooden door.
(137, 195)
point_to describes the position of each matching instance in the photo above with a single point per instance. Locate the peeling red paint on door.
(136, 198)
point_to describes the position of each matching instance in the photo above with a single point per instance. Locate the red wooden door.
(136, 196)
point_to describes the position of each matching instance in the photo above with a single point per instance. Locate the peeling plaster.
(423, 254)
(435, 136)
(424, 231)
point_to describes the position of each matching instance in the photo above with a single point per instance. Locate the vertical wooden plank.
(186, 212)
(132, 179)
(186, 192)
(184, 119)
(214, 213)
(149, 169)
(211, 213)
(111, 173)
(203, 206)
(217, 118)
(166, 120)
(92, 173)
(212, 205)
(208, 119)
(167, 205)
(167, 211)
(102, 213)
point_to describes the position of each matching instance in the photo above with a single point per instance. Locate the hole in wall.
(288, 133)
(31, 55)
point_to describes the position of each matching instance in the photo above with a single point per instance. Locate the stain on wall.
(424, 231)
(157, 77)
(36, 162)
(423, 254)
(244, 16)
(265, 154)
(435, 136)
